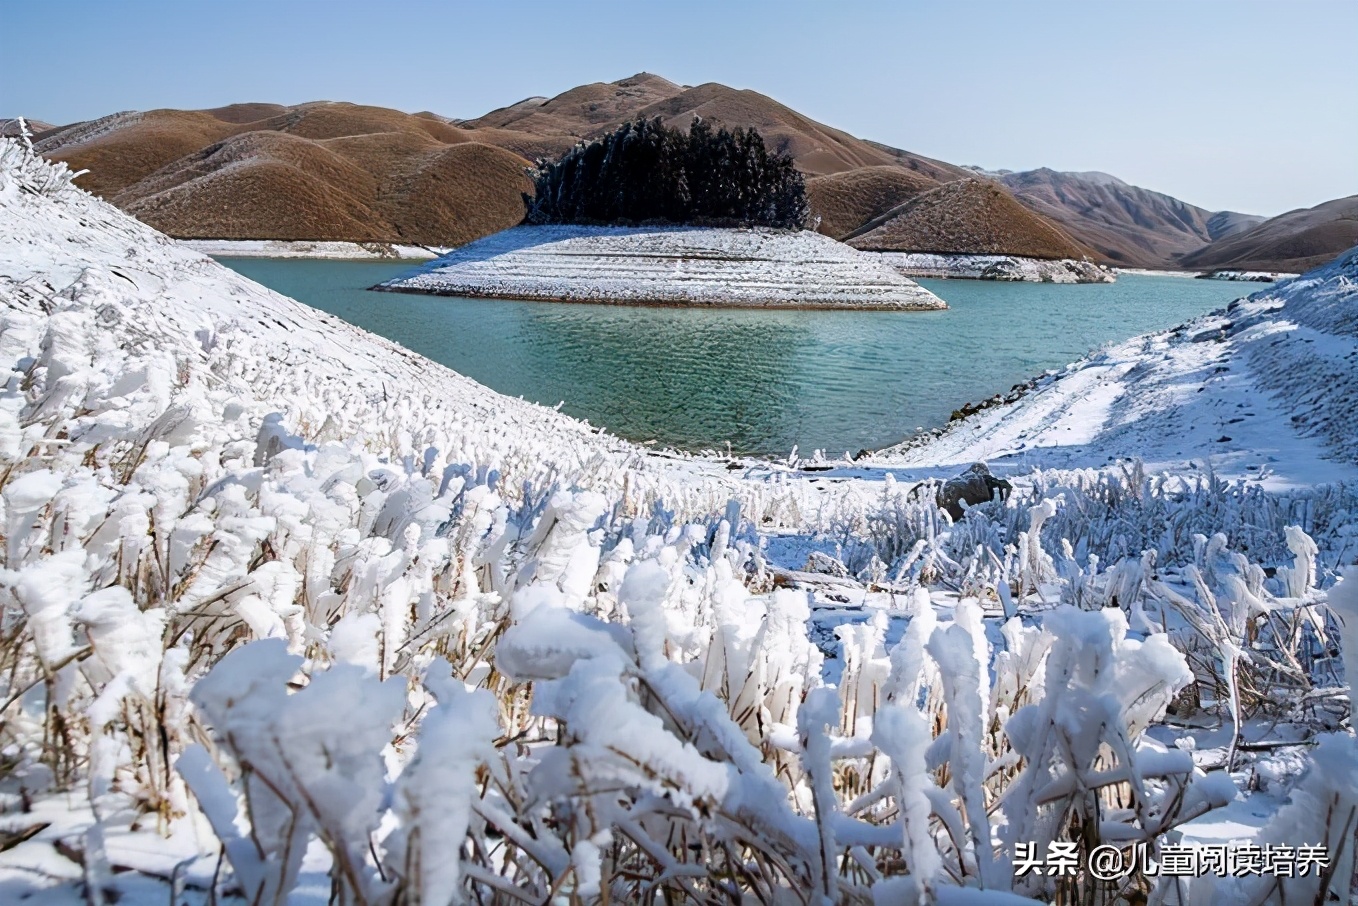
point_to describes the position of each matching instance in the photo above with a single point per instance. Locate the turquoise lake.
(758, 381)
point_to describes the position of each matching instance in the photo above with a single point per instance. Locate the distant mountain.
(547, 127)
(972, 214)
(9, 128)
(1296, 241)
(314, 171)
(1224, 224)
(582, 110)
(1125, 224)
(593, 109)
(327, 170)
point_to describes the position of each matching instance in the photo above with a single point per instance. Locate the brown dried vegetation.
(975, 216)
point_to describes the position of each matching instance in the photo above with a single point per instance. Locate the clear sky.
(1227, 104)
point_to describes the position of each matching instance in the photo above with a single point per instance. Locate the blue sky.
(1227, 104)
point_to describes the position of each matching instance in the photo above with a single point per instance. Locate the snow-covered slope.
(673, 265)
(1265, 388)
(156, 330)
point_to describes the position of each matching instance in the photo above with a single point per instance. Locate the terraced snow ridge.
(672, 265)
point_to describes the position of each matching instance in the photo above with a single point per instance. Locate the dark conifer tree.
(645, 172)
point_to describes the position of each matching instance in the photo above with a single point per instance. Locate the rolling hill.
(1296, 241)
(972, 214)
(328, 170)
(325, 171)
(338, 171)
(592, 109)
(582, 110)
(1125, 224)
(845, 201)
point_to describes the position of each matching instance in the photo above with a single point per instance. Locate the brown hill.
(336, 120)
(817, 149)
(525, 144)
(259, 185)
(846, 201)
(1125, 224)
(581, 111)
(460, 193)
(975, 216)
(246, 113)
(327, 170)
(925, 166)
(591, 110)
(1296, 241)
(314, 171)
(123, 148)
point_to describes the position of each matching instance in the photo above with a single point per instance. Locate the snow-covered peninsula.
(291, 614)
(669, 265)
(997, 267)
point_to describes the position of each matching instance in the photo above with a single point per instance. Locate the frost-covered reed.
(267, 574)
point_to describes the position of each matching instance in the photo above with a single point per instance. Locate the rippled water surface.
(760, 381)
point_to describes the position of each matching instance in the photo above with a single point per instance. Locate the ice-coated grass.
(287, 612)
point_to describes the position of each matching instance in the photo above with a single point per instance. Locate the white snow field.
(669, 265)
(291, 615)
(997, 267)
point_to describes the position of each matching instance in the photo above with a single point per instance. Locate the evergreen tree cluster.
(646, 172)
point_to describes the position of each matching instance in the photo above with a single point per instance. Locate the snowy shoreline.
(692, 266)
(996, 267)
(318, 249)
(1260, 389)
(1249, 276)
(1151, 272)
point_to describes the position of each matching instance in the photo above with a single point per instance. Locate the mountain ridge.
(1127, 225)
(360, 173)
(1295, 241)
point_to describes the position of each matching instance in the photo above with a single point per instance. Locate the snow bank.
(997, 267)
(1151, 272)
(671, 265)
(283, 248)
(1263, 389)
(1249, 276)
